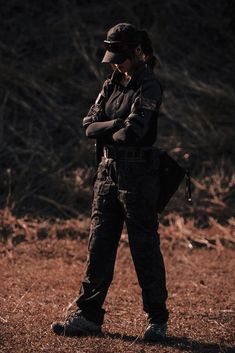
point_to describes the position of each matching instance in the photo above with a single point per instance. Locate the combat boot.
(155, 332)
(76, 325)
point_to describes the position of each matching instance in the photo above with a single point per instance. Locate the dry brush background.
(50, 74)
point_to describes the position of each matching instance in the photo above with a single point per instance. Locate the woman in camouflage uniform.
(123, 121)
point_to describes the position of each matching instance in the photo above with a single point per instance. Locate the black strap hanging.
(188, 192)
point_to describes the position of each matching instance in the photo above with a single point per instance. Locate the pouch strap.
(188, 191)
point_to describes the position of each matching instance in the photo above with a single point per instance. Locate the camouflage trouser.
(124, 191)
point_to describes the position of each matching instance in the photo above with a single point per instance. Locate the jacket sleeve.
(144, 108)
(101, 128)
(97, 110)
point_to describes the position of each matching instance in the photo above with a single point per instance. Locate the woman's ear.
(138, 50)
(139, 53)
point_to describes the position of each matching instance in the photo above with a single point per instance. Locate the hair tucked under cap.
(147, 48)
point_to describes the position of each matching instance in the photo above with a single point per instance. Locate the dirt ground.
(43, 277)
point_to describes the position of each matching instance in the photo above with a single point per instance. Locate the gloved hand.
(119, 124)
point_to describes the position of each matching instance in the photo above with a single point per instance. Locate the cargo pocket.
(99, 181)
(102, 172)
(101, 195)
(104, 188)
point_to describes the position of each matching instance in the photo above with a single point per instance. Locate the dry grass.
(184, 232)
(176, 231)
(45, 275)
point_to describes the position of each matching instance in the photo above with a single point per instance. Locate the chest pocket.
(119, 103)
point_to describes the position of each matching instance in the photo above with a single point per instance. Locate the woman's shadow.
(182, 343)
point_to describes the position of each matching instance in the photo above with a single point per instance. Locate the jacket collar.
(140, 69)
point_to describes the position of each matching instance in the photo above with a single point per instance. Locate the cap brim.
(114, 58)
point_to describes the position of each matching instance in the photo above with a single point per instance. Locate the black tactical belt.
(127, 153)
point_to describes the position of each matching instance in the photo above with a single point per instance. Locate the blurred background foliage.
(50, 73)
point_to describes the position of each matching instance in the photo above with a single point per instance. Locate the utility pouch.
(171, 175)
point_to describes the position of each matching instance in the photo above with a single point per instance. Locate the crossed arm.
(134, 127)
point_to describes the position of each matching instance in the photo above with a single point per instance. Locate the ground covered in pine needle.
(42, 278)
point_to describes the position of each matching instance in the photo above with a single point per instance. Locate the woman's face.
(125, 66)
(128, 65)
